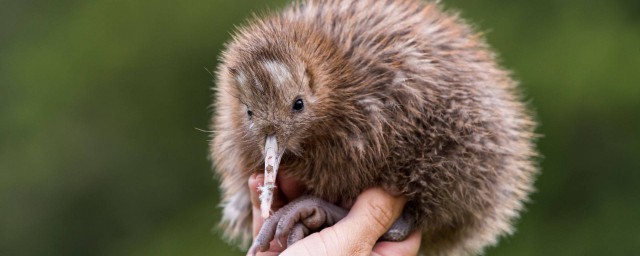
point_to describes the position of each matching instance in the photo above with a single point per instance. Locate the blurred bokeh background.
(100, 102)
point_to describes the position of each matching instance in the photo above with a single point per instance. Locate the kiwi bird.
(344, 95)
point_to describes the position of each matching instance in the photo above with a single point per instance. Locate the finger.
(290, 188)
(408, 247)
(256, 180)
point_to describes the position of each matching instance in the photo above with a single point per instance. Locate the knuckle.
(380, 214)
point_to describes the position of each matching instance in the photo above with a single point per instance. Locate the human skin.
(357, 234)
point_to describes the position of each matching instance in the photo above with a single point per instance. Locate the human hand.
(371, 216)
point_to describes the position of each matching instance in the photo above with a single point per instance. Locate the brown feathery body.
(398, 94)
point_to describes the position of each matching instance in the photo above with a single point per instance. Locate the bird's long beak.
(271, 163)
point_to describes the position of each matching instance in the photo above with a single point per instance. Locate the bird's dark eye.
(249, 113)
(298, 105)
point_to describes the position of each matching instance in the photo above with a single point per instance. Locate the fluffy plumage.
(398, 94)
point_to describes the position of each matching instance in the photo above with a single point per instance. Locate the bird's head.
(277, 102)
(276, 87)
(277, 106)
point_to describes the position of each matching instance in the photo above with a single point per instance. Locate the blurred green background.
(100, 101)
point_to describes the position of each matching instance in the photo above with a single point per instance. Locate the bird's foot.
(297, 220)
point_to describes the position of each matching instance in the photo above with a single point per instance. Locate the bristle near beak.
(271, 163)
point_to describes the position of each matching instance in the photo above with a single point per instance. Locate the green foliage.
(100, 101)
